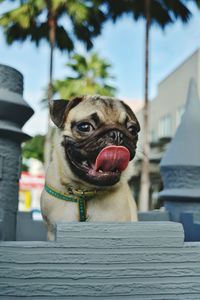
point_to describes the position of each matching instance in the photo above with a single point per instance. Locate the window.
(165, 126)
(153, 136)
(179, 115)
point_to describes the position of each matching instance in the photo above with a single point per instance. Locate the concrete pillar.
(180, 167)
(14, 112)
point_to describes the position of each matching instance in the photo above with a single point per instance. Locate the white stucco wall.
(172, 93)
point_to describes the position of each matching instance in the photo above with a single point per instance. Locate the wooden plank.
(108, 243)
(59, 287)
(91, 271)
(148, 234)
(116, 297)
(154, 215)
(59, 255)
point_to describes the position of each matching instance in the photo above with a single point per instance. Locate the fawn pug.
(87, 179)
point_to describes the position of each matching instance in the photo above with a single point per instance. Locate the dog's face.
(99, 136)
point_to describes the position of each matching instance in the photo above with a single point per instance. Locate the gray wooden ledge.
(144, 260)
(137, 234)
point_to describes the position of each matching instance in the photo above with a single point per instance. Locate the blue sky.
(122, 44)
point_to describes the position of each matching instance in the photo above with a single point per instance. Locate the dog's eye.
(133, 130)
(85, 127)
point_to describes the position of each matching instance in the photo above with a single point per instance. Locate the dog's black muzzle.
(91, 146)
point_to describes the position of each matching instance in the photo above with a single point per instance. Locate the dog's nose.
(116, 136)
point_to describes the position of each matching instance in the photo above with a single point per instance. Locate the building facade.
(165, 112)
(168, 106)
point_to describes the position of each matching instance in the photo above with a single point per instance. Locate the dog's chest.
(106, 209)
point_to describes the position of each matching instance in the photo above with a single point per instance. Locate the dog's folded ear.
(58, 110)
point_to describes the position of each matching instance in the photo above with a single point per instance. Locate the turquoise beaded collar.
(79, 197)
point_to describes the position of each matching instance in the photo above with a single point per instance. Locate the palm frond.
(91, 76)
(162, 12)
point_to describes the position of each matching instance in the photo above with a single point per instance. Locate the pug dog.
(91, 162)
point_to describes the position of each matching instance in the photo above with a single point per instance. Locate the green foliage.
(33, 18)
(197, 2)
(162, 12)
(24, 167)
(34, 148)
(91, 76)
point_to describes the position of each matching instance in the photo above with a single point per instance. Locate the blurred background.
(141, 51)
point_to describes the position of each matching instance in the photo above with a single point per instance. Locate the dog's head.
(99, 137)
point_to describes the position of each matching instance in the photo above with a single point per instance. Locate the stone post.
(180, 168)
(14, 112)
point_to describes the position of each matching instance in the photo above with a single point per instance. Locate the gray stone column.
(180, 169)
(14, 112)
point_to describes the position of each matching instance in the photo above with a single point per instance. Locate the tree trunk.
(48, 139)
(145, 177)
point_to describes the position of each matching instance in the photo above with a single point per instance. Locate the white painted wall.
(172, 94)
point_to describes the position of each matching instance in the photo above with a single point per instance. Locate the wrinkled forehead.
(108, 110)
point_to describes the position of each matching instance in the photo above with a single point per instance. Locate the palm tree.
(91, 76)
(84, 22)
(161, 13)
(197, 2)
(41, 19)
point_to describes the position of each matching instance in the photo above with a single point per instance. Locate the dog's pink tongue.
(112, 158)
